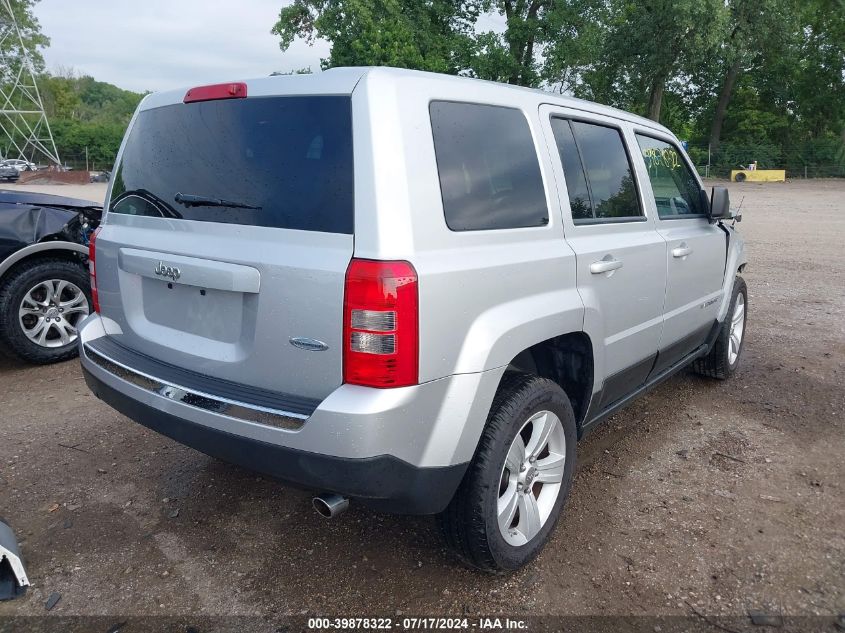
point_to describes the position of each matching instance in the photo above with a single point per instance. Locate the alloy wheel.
(531, 478)
(737, 328)
(50, 312)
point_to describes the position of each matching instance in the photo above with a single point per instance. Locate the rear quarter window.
(290, 158)
(488, 168)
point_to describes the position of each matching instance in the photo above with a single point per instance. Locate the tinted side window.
(488, 168)
(676, 190)
(609, 173)
(573, 171)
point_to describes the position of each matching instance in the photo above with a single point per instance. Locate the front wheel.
(723, 359)
(510, 498)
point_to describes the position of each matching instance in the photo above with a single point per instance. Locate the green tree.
(60, 97)
(819, 86)
(545, 43)
(786, 107)
(434, 35)
(648, 46)
(767, 76)
(512, 56)
(427, 35)
(86, 115)
(575, 37)
(30, 32)
(757, 31)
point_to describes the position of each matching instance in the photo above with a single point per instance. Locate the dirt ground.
(701, 498)
(95, 192)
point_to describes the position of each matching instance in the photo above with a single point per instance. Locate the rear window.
(283, 162)
(489, 173)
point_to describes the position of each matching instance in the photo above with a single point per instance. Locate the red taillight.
(216, 91)
(92, 268)
(380, 332)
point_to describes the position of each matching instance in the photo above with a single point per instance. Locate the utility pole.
(24, 128)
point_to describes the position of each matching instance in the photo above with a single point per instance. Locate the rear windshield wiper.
(189, 200)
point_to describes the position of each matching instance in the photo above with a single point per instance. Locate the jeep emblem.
(167, 271)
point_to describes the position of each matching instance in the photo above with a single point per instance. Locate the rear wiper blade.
(189, 200)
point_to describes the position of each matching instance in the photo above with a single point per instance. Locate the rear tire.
(495, 522)
(74, 304)
(723, 359)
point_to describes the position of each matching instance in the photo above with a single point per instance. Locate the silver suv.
(410, 290)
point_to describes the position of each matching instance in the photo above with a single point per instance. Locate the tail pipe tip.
(329, 505)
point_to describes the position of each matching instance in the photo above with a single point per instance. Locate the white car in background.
(19, 164)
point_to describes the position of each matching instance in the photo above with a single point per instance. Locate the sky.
(151, 45)
(156, 45)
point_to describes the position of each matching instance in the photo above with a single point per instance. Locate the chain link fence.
(83, 161)
(812, 159)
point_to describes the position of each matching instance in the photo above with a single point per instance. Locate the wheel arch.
(567, 360)
(737, 260)
(52, 249)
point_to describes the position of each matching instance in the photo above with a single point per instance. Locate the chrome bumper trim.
(197, 399)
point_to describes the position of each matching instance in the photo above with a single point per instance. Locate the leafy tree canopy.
(28, 30)
(85, 113)
(768, 72)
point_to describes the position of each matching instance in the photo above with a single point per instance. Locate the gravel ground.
(95, 192)
(701, 498)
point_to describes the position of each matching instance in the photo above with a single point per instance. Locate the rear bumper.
(400, 450)
(384, 483)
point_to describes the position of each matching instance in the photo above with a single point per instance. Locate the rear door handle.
(681, 251)
(605, 266)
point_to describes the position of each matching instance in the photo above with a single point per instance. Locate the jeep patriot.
(408, 290)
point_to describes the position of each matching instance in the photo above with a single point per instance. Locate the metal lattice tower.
(24, 130)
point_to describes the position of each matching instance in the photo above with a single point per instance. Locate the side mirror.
(720, 204)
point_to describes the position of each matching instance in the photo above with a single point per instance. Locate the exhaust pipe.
(330, 504)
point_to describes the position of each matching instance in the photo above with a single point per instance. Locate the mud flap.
(13, 580)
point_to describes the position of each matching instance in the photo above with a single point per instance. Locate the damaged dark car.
(45, 290)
